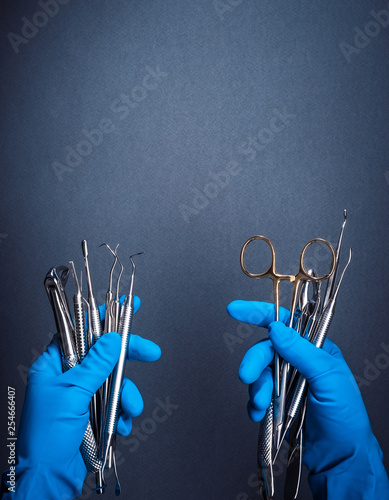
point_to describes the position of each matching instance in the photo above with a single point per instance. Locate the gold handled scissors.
(302, 275)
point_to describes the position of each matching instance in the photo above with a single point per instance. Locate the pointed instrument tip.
(134, 254)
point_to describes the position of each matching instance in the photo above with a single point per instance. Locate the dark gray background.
(227, 70)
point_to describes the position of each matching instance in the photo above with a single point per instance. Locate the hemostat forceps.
(268, 440)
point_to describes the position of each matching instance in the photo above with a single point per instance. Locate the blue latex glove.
(55, 415)
(340, 450)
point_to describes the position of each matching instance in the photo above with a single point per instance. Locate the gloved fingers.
(254, 414)
(131, 399)
(121, 298)
(261, 390)
(309, 360)
(141, 349)
(131, 406)
(256, 313)
(124, 426)
(332, 349)
(49, 362)
(254, 362)
(97, 365)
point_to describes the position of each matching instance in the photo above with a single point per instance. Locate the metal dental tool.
(105, 388)
(77, 335)
(307, 321)
(267, 438)
(54, 284)
(329, 310)
(294, 464)
(94, 321)
(111, 462)
(80, 336)
(108, 327)
(301, 387)
(125, 326)
(116, 304)
(317, 339)
(109, 298)
(95, 330)
(265, 454)
(332, 279)
(311, 317)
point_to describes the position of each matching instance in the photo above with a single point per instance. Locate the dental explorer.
(109, 326)
(124, 330)
(109, 298)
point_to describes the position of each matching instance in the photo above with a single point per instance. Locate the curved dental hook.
(133, 263)
(120, 275)
(114, 253)
(332, 279)
(133, 272)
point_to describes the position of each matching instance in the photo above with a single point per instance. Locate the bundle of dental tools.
(78, 332)
(312, 311)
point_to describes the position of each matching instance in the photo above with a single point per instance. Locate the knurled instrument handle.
(124, 332)
(79, 328)
(88, 447)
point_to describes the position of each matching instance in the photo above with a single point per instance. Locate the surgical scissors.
(280, 373)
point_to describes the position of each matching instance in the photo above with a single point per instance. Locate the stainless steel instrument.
(124, 330)
(77, 336)
(54, 283)
(312, 319)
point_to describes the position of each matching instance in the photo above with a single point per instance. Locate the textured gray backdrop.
(181, 128)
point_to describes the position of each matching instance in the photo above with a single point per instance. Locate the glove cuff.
(361, 476)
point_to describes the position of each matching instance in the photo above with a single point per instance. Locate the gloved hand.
(55, 415)
(340, 450)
